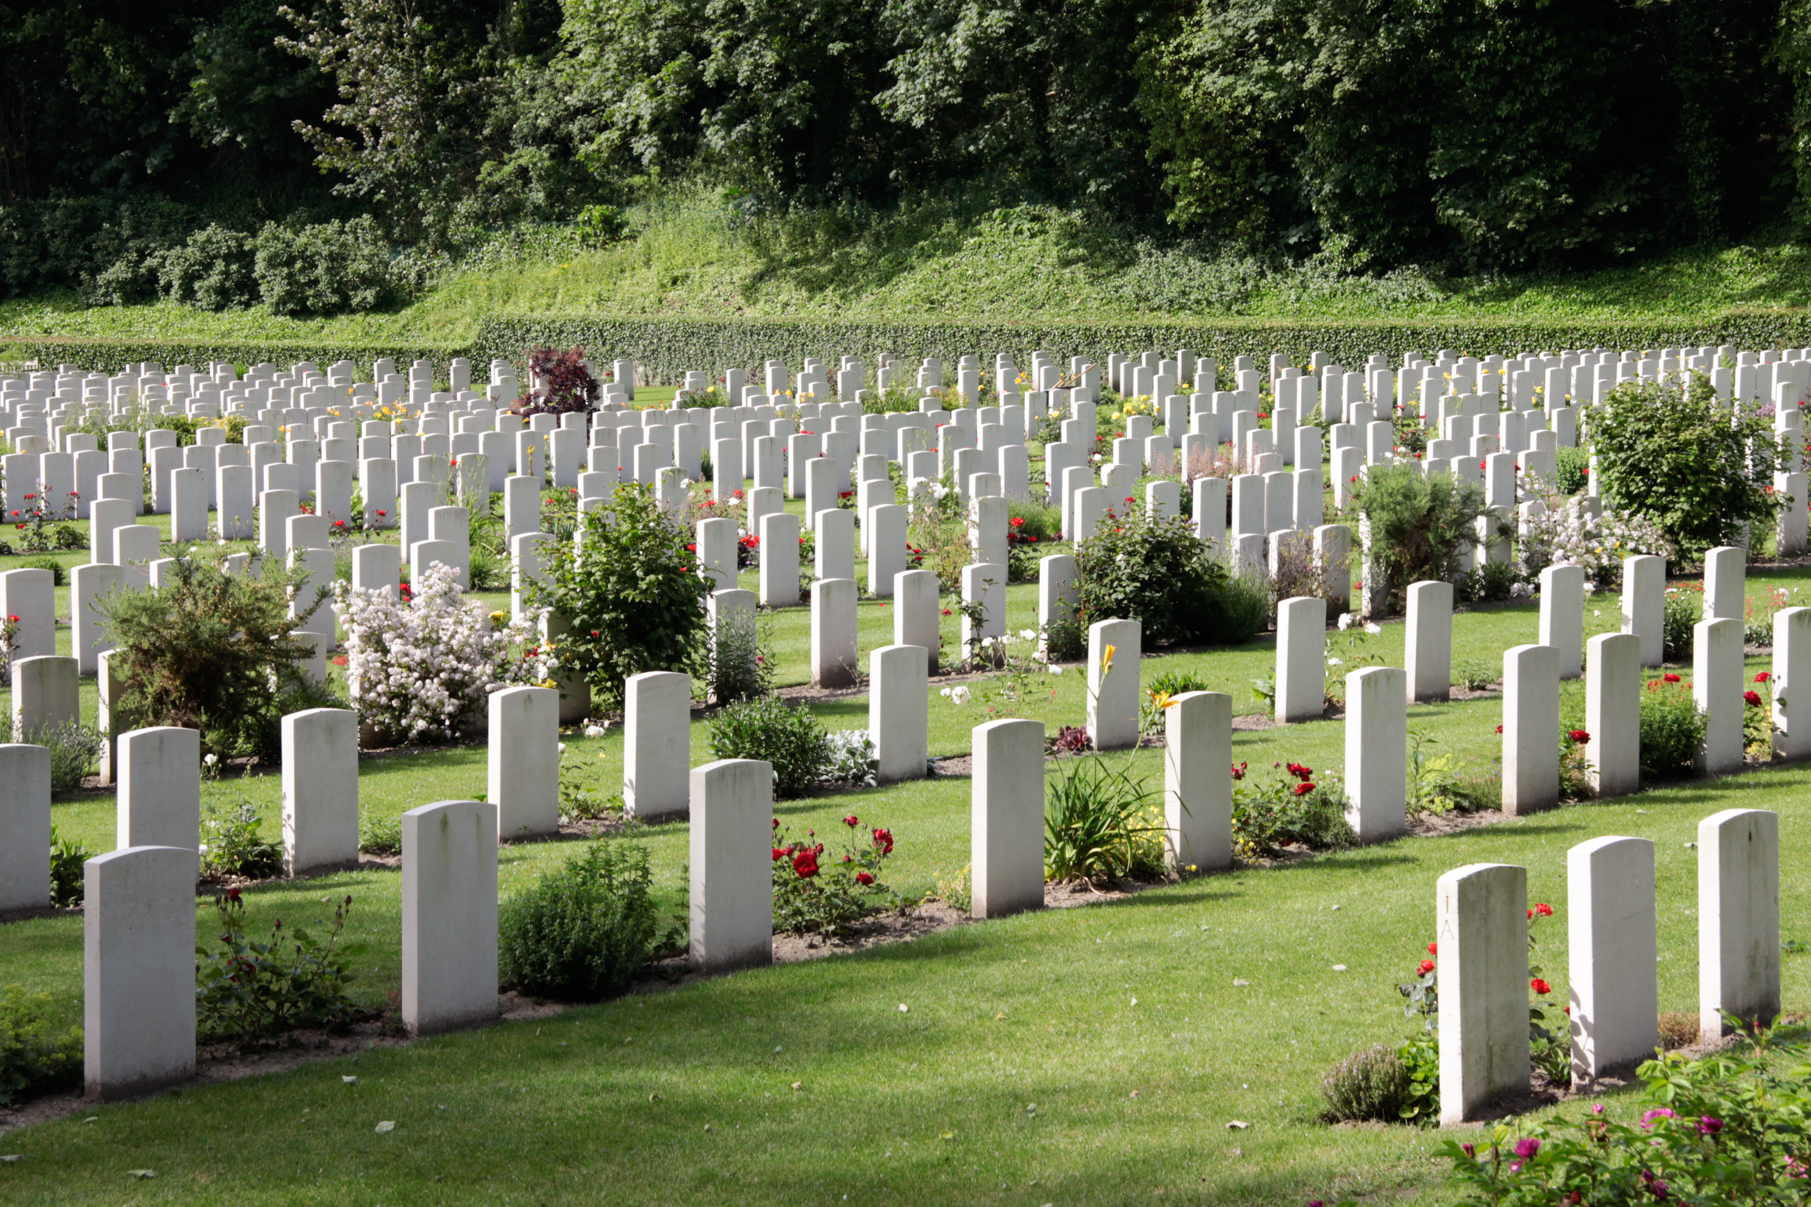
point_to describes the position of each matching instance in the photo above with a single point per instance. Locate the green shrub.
(581, 932)
(1679, 458)
(67, 855)
(1420, 526)
(247, 988)
(204, 651)
(74, 749)
(326, 268)
(234, 843)
(1370, 1084)
(1569, 466)
(380, 835)
(769, 729)
(1672, 729)
(33, 1058)
(1157, 573)
(630, 594)
(1683, 610)
(212, 270)
(1100, 824)
(59, 573)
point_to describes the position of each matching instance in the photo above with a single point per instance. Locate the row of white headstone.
(1482, 968)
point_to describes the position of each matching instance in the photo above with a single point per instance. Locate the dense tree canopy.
(1478, 134)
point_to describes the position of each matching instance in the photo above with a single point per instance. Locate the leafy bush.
(1370, 1084)
(1289, 807)
(67, 855)
(1684, 608)
(1725, 1128)
(1570, 536)
(581, 932)
(212, 270)
(1571, 468)
(1100, 824)
(380, 835)
(421, 667)
(235, 844)
(211, 651)
(1420, 526)
(812, 894)
(246, 988)
(73, 747)
(1680, 458)
(326, 268)
(1672, 728)
(33, 1058)
(735, 666)
(566, 384)
(1157, 573)
(769, 729)
(630, 595)
(59, 573)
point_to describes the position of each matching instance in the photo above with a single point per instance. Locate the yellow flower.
(548, 683)
(1106, 659)
(1162, 700)
(498, 617)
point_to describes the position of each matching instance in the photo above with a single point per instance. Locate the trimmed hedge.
(110, 355)
(665, 348)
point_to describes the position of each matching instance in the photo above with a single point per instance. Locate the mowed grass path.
(1009, 1078)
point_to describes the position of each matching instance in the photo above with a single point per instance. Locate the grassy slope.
(687, 260)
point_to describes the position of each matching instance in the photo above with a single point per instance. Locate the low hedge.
(665, 348)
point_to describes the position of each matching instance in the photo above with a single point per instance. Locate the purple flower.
(1708, 1126)
(1527, 1147)
(1469, 1150)
(1659, 1112)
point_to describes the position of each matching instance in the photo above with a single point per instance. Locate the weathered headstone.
(731, 871)
(449, 916)
(1482, 963)
(320, 789)
(1738, 919)
(656, 744)
(524, 763)
(1376, 752)
(1006, 818)
(24, 826)
(1197, 787)
(138, 970)
(1611, 952)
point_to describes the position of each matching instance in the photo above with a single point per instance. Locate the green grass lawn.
(1091, 1055)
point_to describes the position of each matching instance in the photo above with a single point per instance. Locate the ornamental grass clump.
(419, 668)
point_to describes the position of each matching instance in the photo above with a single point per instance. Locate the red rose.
(864, 878)
(1238, 772)
(1499, 729)
(1753, 698)
(1427, 966)
(805, 864)
(852, 821)
(1763, 677)
(1540, 987)
(884, 840)
(1543, 909)
(1579, 736)
(232, 894)
(1433, 949)
(1304, 788)
(779, 853)
(1669, 677)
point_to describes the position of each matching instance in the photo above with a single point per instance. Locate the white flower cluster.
(423, 668)
(1573, 538)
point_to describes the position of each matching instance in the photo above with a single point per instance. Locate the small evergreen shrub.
(1569, 470)
(74, 749)
(1370, 1084)
(769, 729)
(580, 932)
(33, 1057)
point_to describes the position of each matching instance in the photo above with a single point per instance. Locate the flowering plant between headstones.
(817, 891)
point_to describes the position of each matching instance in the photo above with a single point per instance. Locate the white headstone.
(731, 870)
(1114, 652)
(1376, 752)
(449, 916)
(138, 970)
(656, 744)
(1611, 953)
(1197, 785)
(1006, 818)
(320, 789)
(1738, 918)
(524, 764)
(1482, 963)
